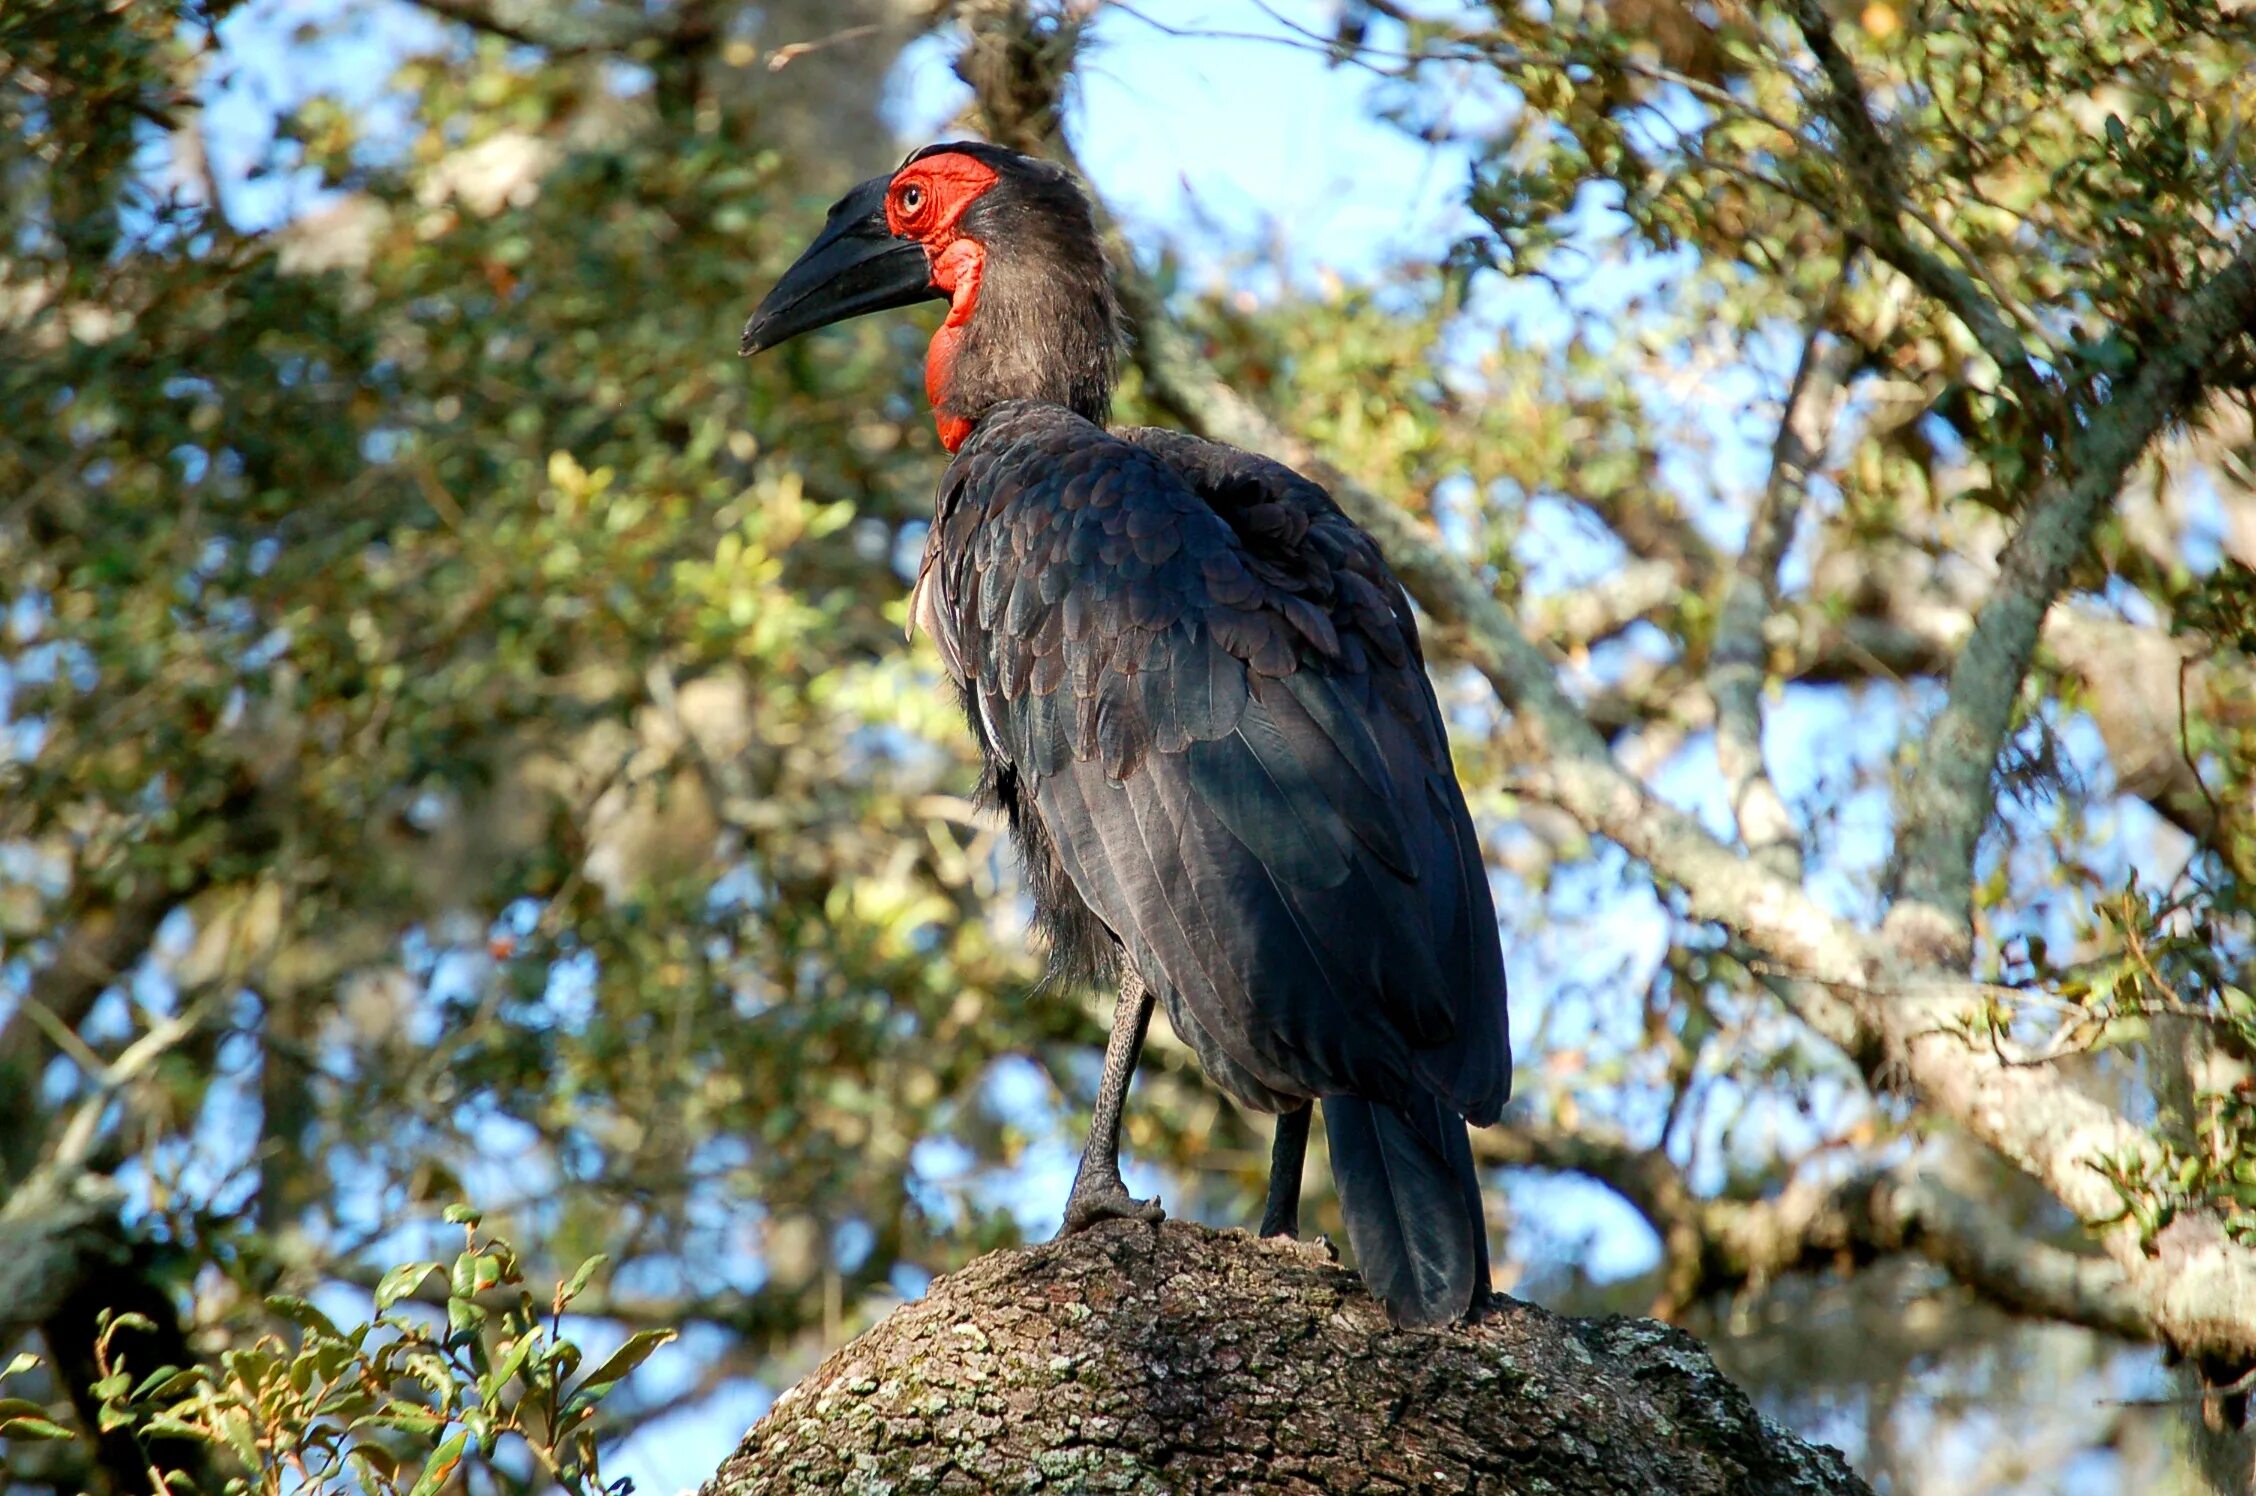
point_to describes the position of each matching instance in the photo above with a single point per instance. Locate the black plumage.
(1204, 710)
(1218, 743)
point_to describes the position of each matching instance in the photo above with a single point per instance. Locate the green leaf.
(579, 1279)
(302, 1314)
(406, 1417)
(32, 1428)
(491, 1385)
(21, 1407)
(155, 1380)
(22, 1362)
(462, 1215)
(331, 1358)
(402, 1281)
(374, 1458)
(620, 1363)
(440, 1466)
(235, 1427)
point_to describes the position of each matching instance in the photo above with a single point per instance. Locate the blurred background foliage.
(457, 743)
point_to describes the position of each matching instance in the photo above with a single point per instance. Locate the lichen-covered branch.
(1719, 1246)
(1181, 1360)
(1947, 803)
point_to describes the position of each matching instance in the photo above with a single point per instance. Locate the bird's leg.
(1281, 1216)
(1098, 1194)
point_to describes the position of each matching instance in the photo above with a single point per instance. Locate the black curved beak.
(854, 266)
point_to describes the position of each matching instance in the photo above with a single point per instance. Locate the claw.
(1107, 1202)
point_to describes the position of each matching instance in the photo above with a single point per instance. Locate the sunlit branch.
(1725, 1246)
(1946, 804)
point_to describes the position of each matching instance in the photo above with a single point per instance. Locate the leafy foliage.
(390, 1406)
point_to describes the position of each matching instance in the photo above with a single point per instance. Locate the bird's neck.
(960, 270)
(1017, 331)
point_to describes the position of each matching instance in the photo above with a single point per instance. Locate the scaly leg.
(1281, 1216)
(1098, 1194)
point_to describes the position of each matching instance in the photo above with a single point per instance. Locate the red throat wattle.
(926, 202)
(955, 270)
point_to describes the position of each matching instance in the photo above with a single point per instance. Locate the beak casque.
(855, 265)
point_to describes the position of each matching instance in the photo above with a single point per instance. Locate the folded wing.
(1206, 686)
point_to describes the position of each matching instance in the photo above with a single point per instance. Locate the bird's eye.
(912, 198)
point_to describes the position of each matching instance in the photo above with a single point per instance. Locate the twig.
(2193, 766)
(2244, 1383)
(783, 56)
(63, 1036)
(1735, 670)
(77, 1141)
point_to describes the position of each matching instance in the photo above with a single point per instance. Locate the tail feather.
(1412, 1202)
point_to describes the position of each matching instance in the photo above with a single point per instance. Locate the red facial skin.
(925, 203)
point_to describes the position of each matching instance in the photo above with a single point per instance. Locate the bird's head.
(1006, 240)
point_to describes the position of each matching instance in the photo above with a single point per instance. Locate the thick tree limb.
(1727, 1245)
(1173, 1358)
(1946, 803)
(560, 30)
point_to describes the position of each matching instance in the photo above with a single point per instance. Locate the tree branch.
(1132, 1357)
(1589, 615)
(99, 945)
(1946, 803)
(1735, 665)
(1870, 158)
(560, 31)
(1729, 1245)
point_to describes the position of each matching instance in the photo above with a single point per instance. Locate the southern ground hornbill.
(1204, 711)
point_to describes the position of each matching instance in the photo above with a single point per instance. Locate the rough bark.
(1181, 1360)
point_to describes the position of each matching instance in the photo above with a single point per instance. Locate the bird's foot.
(1274, 1224)
(1100, 1199)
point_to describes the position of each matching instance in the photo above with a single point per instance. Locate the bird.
(1203, 708)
